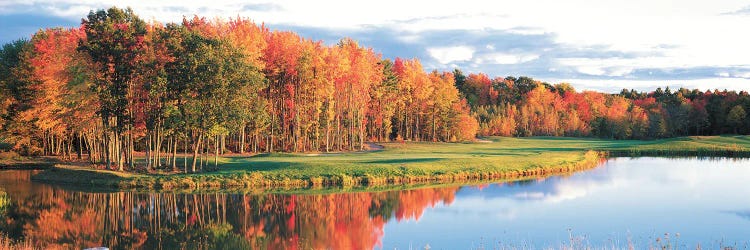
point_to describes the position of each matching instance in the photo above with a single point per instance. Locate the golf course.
(406, 163)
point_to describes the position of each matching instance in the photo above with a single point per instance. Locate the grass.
(11, 160)
(4, 144)
(409, 163)
(728, 146)
(8, 244)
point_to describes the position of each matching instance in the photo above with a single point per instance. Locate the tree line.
(522, 106)
(118, 85)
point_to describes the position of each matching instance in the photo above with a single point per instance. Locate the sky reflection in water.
(704, 200)
(625, 201)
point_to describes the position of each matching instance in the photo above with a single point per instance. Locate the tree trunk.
(216, 156)
(223, 144)
(185, 154)
(148, 151)
(242, 139)
(174, 152)
(118, 151)
(157, 158)
(417, 130)
(433, 125)
(338, 132)
(108, 146)
(361, 132)
(44, 143)
(167, 153)
(80, 147)
(328, 136)
(70, 147)
(196, 147)
(131, 148)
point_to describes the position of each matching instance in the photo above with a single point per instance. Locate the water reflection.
(631, 200)
(206, 221)
(741, 214)
(625, 201)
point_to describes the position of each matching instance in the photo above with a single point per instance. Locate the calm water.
(623, 202)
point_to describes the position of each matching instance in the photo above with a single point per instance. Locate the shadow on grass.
(500, 152)
(558, 138)
(77, 176)
(266, 155)
(258, 164)
(738, 138)
(578, 143)
(405, 160)
(535, 149)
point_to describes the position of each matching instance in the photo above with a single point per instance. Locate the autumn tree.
(16, 96)
(443, 96)
(115, 41)
(464, 126)
(698, 116)
(736, 118)
(382, 107)
(363, 72)
(203, 80)
(280, 58)
(62, 104)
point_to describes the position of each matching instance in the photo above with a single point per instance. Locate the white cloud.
(500, 58)
(447, 55)
(620, 71)
(618, 67)
(615, 85)
(411, 38)
(506, 58)
(527, 31)
(589, 70)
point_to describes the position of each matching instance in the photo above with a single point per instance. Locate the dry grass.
(8, 244)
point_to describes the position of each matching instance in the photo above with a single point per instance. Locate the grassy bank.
(11, 160)
(409, 163)
(719, 146)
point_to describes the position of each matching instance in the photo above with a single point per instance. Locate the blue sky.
(597, 45)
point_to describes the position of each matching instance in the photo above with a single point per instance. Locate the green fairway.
(505, 154)
(412, 162)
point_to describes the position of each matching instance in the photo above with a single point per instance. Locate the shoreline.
(502, 159)
(302, 190)
(80, 176)
(39, 163)
(69, 175)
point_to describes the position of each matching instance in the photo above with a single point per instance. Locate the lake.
(639, 202)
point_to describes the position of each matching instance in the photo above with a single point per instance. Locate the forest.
(120, 92)
(522, 107)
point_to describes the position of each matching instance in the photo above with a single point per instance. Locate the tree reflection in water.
(60, 218)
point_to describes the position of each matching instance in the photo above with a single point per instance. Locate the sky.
(594, 45)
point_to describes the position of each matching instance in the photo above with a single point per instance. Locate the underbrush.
(9, 244)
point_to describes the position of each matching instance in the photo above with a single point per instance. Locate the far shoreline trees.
(525, 107)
